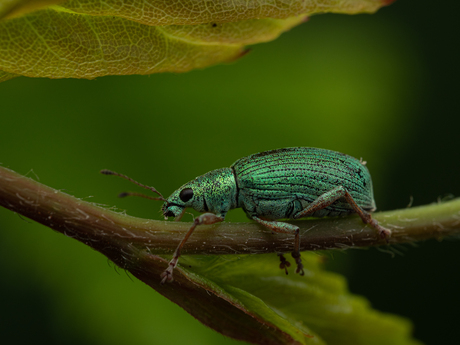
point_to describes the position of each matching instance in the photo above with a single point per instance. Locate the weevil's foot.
(383, 232)
(167, 275)
(299, 269)
(284, 264)
(298, 261)
(386, 234)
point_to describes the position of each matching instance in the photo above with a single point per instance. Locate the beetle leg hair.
(286, 229)
(333, 195)
(205, 218)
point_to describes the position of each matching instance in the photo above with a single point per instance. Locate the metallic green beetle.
(287, 183)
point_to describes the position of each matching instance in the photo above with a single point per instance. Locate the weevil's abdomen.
(279, 183)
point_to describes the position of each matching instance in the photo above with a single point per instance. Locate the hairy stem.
(114, 233)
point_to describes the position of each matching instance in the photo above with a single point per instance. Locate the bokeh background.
(383, 87)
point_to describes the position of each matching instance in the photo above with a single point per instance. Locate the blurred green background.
(383, 87)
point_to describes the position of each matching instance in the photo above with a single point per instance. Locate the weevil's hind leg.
(205, 218)
(286, 229)
(333, 195)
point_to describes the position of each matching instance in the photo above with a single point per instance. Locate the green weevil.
(289, 183)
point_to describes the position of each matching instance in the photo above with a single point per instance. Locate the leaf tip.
(387, 2)
(240, 54)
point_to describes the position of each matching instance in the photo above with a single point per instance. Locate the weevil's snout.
(178, 201)
(171, 210)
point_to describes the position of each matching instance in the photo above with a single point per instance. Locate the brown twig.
(106, 230)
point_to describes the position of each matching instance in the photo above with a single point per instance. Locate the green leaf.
(248, 297)
(88, 39)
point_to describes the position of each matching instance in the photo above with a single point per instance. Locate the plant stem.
(108, 231)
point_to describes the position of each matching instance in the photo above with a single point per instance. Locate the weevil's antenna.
(109, 172)
(125, 194)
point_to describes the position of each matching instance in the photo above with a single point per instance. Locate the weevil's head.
(177, 202)
(212, 192)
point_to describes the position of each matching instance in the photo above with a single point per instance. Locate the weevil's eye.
(186, 194)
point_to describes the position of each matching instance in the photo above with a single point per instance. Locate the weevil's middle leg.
(333, 195)
(286, 229)
(284, 264)
(205, 218)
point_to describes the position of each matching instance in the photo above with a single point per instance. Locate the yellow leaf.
(187, 12)
(90, 38)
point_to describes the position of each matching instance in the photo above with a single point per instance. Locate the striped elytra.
(303, 173)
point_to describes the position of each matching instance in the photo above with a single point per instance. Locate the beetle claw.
(298, 261)
(299, 268)
(167, 275)
(284, 264)
(383, 232)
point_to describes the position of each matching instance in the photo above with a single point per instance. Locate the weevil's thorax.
(214, 192)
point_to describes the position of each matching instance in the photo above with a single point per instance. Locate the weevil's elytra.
(289, 183)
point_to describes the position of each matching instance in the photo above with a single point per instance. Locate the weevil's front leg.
(205, 218)
(333, 195)
(286, 229)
